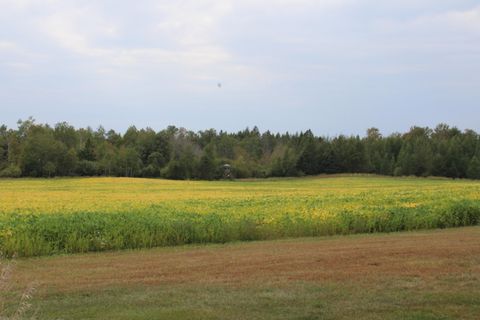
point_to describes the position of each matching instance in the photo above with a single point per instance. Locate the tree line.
(40, 150)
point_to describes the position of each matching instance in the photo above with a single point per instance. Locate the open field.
(48, 216)
(410, 275)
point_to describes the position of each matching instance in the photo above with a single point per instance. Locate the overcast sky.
(334, 66)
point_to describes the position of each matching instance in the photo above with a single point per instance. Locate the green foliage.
(11, 171)
(40, 234)
(86, 168)
(175, 170)
(88, 151)
(416, 155)
(286, 165)
(308, 160)
(128, 162)
(49, 169)
(41, 154)
(459, 214)
(176, 153)
(207, 166)
(473, 171)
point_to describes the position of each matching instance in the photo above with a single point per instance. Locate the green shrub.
(12, 171)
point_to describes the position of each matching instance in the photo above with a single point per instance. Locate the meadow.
(69, 215)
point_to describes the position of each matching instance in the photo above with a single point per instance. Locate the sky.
(332, 66)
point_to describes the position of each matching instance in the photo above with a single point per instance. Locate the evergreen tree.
(308, 159)
(88, 151)
(286, 166)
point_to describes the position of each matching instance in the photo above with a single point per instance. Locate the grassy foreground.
(410, 275)
(49, 216)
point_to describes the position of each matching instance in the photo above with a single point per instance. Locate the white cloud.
(14, 57)
(18, 66)
(186, 47)
(193, 23)
(468, 20)
(437, 24)
(8, 46)
(183, 39)
(433, 41)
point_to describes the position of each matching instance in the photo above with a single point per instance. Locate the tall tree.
(473, 171)
(207, 166)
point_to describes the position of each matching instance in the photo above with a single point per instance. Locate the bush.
(11, 171)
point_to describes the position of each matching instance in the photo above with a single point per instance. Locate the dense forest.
(39, 150)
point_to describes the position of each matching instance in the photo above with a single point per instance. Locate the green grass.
(293, 301)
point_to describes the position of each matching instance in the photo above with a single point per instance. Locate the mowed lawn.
(410, 275)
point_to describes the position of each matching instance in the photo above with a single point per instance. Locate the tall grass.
(37, 234)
